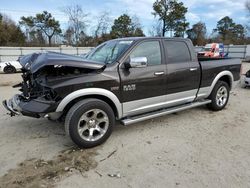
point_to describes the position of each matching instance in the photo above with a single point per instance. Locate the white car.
(10, 67)
(247, 79)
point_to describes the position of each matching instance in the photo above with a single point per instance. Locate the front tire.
(89, 123)
(219, 96)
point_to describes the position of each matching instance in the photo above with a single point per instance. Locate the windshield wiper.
(111, 55)
(106, 60)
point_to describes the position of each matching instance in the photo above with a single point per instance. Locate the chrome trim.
(148, 104)
(159, 73)
(163, 112)
(138, 62)
(91, 91)
(193, 69)
(154, 103)
(223, 73)
(206, 91)
(221, 96)
(92, 127)
(203, 92)
(53, 115)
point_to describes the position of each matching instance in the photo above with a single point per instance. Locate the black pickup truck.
(129, 79)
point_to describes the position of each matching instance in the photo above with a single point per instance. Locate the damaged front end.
(42, 88)
(35, 99)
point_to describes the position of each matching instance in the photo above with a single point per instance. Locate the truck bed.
(211, 67)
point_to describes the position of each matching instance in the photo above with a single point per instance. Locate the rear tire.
(219, 96)
(89, 122)
(9, 69)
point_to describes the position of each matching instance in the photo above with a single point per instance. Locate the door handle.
(159, 73)
(193, 69)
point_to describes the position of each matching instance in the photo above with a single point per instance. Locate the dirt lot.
(9, 79)
(193, 148)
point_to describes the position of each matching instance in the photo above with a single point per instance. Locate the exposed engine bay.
(39, 84)
(42, 75)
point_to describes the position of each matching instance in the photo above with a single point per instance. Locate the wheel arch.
(225, 76)
(97, 93)
(227, 79)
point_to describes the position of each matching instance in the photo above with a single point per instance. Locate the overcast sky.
(208, 11)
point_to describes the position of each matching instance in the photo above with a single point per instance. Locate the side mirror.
(137, 62)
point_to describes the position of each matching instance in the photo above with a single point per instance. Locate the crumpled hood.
(36, 61)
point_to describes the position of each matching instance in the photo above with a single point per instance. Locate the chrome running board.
(162, 112)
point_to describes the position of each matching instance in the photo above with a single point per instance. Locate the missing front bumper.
(33, 108)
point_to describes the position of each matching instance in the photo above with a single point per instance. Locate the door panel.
(139, 84)
(183, 77)
(147, 84)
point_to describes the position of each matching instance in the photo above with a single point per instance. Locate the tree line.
(43, 29)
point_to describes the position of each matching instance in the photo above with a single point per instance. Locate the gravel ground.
(9, 79)
(193, 148)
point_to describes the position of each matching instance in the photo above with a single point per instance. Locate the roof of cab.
(143, 38)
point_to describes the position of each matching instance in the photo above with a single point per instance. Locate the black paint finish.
(37, 61)
(210, 69)
(147, 83)
(78, 73)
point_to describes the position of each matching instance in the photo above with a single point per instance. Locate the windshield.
(109, 51)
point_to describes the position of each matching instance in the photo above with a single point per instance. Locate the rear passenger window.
(151, 50)
(177, 51)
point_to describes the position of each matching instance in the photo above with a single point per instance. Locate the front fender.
(91, 91)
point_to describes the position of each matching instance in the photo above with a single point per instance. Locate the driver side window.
(151, 50)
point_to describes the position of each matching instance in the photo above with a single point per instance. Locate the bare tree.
(68, 36)
(137, 26)
(247, 5)
(136, 22)
(103, 24)
(77, 21)
(156, 30)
